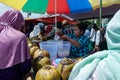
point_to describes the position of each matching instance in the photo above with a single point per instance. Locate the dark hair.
(81, 26)
(59, 24)
(95, 27)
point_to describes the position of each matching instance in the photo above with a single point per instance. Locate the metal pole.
(100, 13)
(55, 16)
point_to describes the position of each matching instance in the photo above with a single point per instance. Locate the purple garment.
(13, 43)
(16, 72)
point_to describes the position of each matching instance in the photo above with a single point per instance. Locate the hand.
(64, 37)
(59, 33)
(96, 48)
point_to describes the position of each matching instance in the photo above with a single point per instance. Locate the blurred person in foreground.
(103, 65)
(79, 42)
(15, 61)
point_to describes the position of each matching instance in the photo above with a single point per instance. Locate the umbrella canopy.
(4, 8)
(58, 6)
(17, 4)
(51, 19)
(106, 12)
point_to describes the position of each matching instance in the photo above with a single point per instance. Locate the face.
(77, 32)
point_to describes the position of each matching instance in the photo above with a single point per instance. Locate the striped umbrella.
(58, 6)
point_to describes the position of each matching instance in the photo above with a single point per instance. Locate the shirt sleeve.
(91, 33)
(97, 41)
(82, 41)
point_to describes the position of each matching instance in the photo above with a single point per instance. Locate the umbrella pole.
(55, 16)
(100, 13)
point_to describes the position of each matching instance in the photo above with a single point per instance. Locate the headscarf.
(13, 43)
(11, 18)
(48, 30)
(102, 65)
(41, 25)
(37, 29)
(113, 32)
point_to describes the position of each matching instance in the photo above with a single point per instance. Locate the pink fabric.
(13, 43)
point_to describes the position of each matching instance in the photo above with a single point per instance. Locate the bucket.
(64, 48)
(51, 47)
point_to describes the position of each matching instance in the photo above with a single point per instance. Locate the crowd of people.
(15, 60)
(89, 38)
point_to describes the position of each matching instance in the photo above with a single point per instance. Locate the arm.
(91, 33)
(97, 41)
(74, 42)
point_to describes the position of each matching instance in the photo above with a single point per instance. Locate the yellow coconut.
(48, 72)
(41, 52)
(39, 62)
(65, 67)
(33, 49)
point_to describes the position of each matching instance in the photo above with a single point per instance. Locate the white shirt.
(95, 36)
(87, 33)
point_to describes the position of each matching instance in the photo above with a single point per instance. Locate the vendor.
(79, 42)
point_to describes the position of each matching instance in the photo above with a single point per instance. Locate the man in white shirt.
(95, 38)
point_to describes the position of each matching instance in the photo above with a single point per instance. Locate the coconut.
(39, 62)
(40, 53)
(36, 53)
(78, 59)
(30, 45)
(46, 53)
(48, 72)
(33, 49)
(65, 67)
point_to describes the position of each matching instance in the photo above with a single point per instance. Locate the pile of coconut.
(43, 68)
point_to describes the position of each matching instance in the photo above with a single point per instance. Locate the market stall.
(40, 58)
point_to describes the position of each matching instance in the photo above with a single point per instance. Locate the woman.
(15, 60)
(104, 65)
(79, 41)
(39, 28)
(49, 32)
